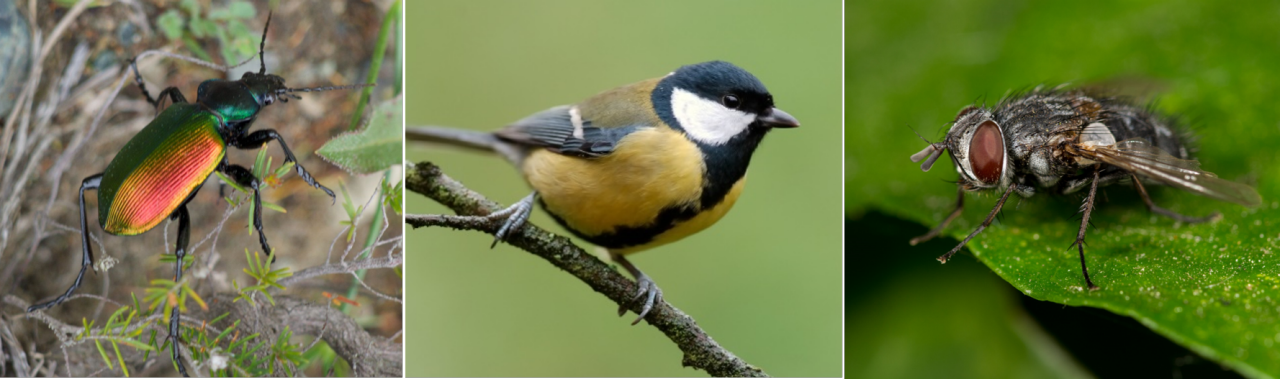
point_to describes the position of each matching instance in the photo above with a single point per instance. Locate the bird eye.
(730, 101)
(986, 152)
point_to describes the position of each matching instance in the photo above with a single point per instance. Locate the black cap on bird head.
(713, 102)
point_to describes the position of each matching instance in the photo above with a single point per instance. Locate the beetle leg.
(257, 139)
(86, 259)
(173, 92)
(180, 251)
(245, 178)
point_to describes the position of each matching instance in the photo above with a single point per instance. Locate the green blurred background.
(915, 64)
(765, 282)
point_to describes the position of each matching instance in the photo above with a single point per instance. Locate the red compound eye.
(986, 152)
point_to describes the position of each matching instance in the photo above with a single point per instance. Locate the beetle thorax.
(229, 99)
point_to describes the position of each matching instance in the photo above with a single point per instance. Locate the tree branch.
(700, 350)
(370, 356)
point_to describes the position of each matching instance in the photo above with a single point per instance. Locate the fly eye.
(730, 101)
(986, 152)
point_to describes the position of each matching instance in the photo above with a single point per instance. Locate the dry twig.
(700, 350)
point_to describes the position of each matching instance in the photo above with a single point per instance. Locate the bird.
(637, 166)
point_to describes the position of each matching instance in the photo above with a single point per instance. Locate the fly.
(1063, 141)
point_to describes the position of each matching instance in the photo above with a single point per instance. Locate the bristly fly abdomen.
(1062, 141)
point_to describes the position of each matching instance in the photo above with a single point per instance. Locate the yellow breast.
(628, 188)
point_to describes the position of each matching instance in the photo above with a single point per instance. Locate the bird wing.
(563, 131)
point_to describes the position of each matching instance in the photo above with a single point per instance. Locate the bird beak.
(779, 119)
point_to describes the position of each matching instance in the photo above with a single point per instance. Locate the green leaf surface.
(170, 23)
(1211, 287)
(374, 148)
(233, 10)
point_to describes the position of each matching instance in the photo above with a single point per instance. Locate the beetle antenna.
(318, 89)
(262, 45)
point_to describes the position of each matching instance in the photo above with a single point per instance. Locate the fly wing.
(1140, 157)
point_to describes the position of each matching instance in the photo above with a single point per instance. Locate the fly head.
(978, 149)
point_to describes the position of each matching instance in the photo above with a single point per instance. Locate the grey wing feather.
(554, 129)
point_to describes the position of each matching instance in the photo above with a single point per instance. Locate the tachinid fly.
(1063, 141)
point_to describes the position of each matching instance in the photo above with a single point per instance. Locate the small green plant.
(393, 195)
(353, 212)
(226, 25)
(260, 270)
(286, 354)
(118, 330)
(170, 294)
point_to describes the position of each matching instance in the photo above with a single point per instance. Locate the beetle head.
(268, 88)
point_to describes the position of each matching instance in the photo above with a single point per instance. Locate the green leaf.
(136, 344)
(1213, 288)
(192, 7)
(394, 196)
(234, 10)
(259, 163)
(104, 353)
(171, 24)
(119, 358)
(230, 182)
(201, 28)
(274, 207)
(372, 149)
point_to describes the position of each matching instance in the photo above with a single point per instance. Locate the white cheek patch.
(708, 121)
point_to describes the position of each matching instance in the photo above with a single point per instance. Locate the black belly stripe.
(629, 236)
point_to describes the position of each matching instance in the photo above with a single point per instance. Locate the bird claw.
(514, 217)
(644, 285)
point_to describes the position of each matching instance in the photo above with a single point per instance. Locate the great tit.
(637, 166)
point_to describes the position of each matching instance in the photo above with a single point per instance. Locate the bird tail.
(470, 139)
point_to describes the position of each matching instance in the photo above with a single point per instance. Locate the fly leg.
(1087, 208)
(938, 229)
(991, 217)
(1142, 191)
(180, 251)
(257, 139)
(86, 256)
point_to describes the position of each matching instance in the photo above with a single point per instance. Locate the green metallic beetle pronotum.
(162, 167)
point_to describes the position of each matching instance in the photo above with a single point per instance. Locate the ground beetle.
(162, 167)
